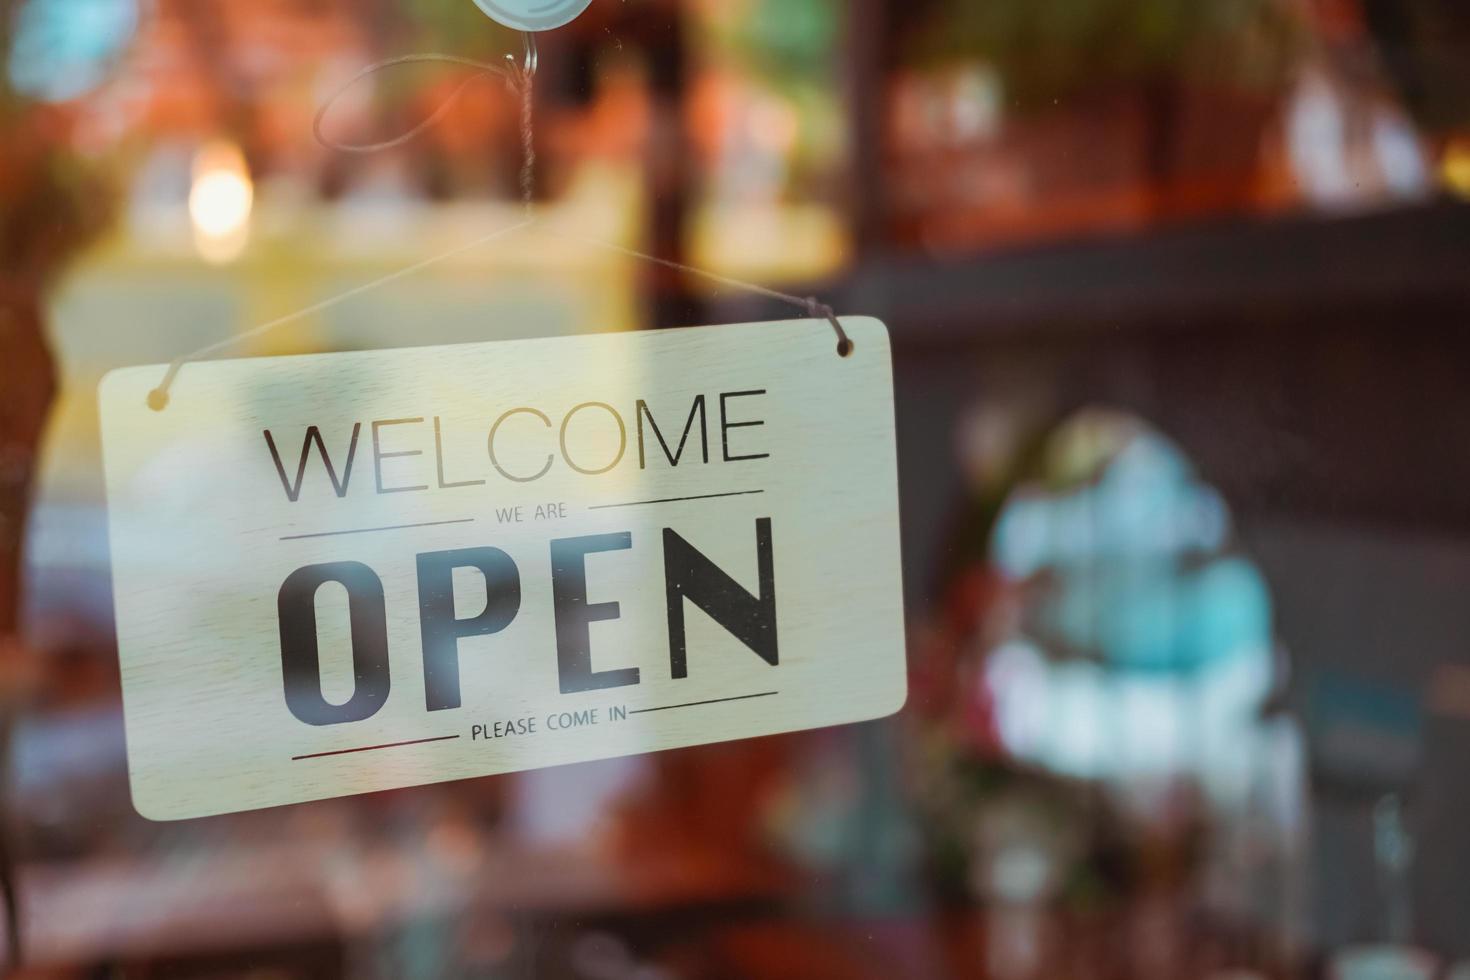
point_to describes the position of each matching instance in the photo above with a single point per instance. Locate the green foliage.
(789, 43)
(794, 37)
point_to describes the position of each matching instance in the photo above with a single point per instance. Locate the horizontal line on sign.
(675, 500)
(374, 530)
(374, 748)
(696, 704)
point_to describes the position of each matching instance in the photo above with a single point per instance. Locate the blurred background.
(1178, 292)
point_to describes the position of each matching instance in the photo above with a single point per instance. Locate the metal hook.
(531, 61)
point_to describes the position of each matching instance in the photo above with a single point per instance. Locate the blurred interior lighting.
(1455, 167)
(220, 200)
(775, 126)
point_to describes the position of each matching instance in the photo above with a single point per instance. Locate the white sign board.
(345, 573)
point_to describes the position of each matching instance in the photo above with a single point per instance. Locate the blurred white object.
(1351, 149)
(569, 806)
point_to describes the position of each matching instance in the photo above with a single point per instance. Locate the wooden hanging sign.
(344, 573)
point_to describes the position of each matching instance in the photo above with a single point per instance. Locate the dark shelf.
(1183, 277)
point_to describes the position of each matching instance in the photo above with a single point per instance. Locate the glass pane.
(1175, 291)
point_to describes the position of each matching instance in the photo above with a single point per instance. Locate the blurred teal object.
(1367, 732)
(1133, 557)
(1154, 616)
(533, 15)
(62, 49)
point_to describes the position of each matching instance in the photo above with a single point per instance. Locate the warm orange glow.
(220, 201)
(1456, 167)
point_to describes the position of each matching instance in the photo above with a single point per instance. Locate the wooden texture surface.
(204, 535)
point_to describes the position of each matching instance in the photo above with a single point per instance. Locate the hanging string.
(521, 79)
(518, 75)
(814, 308)
(481, 70)
(158, 397)
(525, 81)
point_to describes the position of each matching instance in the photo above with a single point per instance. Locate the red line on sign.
(373, 748)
